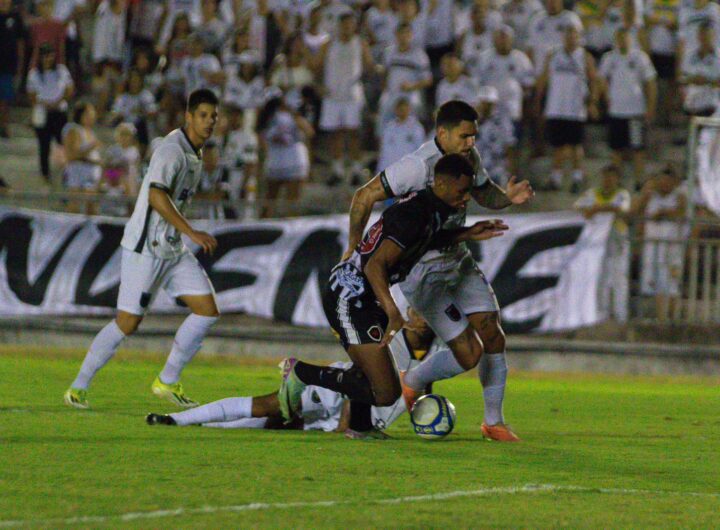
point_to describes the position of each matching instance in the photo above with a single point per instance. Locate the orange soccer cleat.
(410, 395)
(499, 432)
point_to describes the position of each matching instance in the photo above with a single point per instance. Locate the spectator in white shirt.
(292, 70)
(240, 157)
(495, 134)
(409, 12)
(439, 31)
(661, 21)
(200, 69)
(209, 27)
(454, 84)
(694, 14)
(628, 83)
(245, 84)
(547, 30)
(379, 25)
(400, 136)
(136, 105)
(518, 14)
(701, 74)
(479, 36)
(315, 35)
(107, 50)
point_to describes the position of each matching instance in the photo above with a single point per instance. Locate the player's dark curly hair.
(200, 96)
(451, 113)
(454, 166)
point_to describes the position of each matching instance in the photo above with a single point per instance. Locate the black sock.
(353, 383)
(360, 416)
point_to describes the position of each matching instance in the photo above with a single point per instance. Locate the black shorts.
(626, 133)
(665, 65)
(351, 308)
(564, 132)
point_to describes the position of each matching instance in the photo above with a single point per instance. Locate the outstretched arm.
(494, 197)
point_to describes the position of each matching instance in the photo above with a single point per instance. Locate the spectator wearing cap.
(107, 50)
(569, 80)
(517, 14)
(628, 83)
(407, 74)
(341, 64)
(700, 73)
(454, 84)
(201, 69)
(12, 59)
(478, 37)
(508, 70)
(400, 136)
(609, 197)
(49, 87)
(495, 134)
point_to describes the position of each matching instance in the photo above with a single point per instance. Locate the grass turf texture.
(590, 438)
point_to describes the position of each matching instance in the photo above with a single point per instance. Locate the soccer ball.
(433, 417)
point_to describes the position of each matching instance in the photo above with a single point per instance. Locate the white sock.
(101, 350)
(493, 374)
(229, 409)
(577, 175)
(440, 364)
(556, 176)
(245, 423)
(188, 340)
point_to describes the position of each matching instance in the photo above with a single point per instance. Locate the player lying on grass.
(357, 299)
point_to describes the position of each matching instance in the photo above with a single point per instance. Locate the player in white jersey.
(447, 287)
(154, 256)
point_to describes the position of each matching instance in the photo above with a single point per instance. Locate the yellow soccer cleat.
(173, 393)
(76, 397)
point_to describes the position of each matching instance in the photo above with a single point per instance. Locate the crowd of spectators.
(355, 77)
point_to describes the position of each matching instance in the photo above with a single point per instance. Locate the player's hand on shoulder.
(204, 240)
(519, 192)
(483, 230)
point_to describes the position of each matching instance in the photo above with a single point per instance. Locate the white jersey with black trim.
(176, 168)
(415, 172)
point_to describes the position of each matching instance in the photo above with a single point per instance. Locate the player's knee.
(128, 323)
(467, 349)
(494, 337)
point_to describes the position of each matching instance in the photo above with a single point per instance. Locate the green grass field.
(597, 452)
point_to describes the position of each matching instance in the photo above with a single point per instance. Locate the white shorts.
(336, 115)
(445, 297)
(141, 276)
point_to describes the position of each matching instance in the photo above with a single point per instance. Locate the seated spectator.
(49, 87)
(693, 16)
(82, 150)
(495, 134)
(701, 75)
(121, 172)
(282, 135)
(136, 105)
(628, 83)
(107, 50)
(662, 204)
(240, 157)
(400, 136)
(454, 84)
(45, 29)
(609, 197)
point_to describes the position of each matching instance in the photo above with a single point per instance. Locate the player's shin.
(493, 375)
(224, 410)
(101, 350)
(187, 343)
(353, 382)
(437, 365)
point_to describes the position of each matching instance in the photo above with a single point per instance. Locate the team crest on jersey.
(375, 333)
(453, 313)
(372, 238)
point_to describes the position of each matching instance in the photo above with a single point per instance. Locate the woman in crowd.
(82, 150)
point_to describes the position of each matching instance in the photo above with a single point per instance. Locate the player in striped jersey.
(154, 256)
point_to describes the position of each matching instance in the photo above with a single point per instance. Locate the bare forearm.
(491, 196)
(359, 214)
(377, 275)
(161, 203)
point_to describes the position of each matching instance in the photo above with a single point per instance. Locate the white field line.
(256, 506)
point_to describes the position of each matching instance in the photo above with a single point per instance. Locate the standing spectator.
(12, 59)
(409, 13)
(661, 19)
(518, 14)
(82, 150)
(701, 74)
(407, 74)
(495, 134)
(173, 97)
(662, 205)
(68, 12)
(135, 104)
(547, 31)
(693, 15)
(213, 186)
(46, 29)
(569, 79)
(342, 62)
(107, 50)
(609, 197)
(173, 10)
(511, 73)
(315, 35)
(400, 136)
(439, 31)
(245, 85)
(592, 13)
(286, 165)
(479, 36)
(454, 84)
(211, 29)
(292, 71)
(236, 46)
(50, 87)
(240, 157)
(628, 82)
(379, 26)
(145, 18)
(623, 14)
(200, 69)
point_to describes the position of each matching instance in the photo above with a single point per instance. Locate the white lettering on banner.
(545, 270)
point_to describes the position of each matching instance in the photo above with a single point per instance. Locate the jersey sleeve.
(406, 175)
(404, 224)
(165, 164)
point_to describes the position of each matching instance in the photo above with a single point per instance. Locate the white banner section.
(545, 270)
